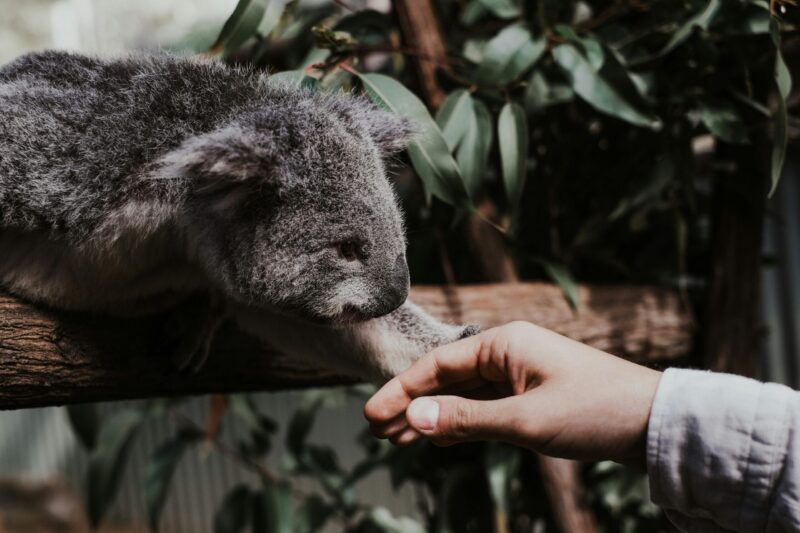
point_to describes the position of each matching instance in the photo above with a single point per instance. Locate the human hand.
(525, 385)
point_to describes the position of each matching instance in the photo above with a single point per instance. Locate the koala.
(128, 184)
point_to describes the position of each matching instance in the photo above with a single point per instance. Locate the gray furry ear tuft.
(391, 132)
(223, 159)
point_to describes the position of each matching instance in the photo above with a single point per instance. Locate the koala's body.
(127, 184)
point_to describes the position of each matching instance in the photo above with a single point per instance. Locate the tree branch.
(50, 358)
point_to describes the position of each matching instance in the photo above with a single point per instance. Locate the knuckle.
(461, 421)
(518, 327)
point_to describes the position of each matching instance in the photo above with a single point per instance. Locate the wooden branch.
(421, 31)
(50, 358)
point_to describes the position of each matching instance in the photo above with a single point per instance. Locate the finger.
(451, 419)
(446, 365)
(406, 437)
(385, 430)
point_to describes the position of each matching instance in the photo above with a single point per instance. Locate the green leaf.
(472, 13)
(540, 93)
(234, 514)
(241, 25)
(723, 121)
(272, 16)
(273, 511)
(783, 82)
(473, 151)
(312, 515)
(512, 137)
(160, 471)
(300, 425)
(473, 50)
(107, 461)
(453, 117)
(261, 427)
(700, 20)
(504, 9)
(509, 54)
(293, 78)
(84, 418)
(382, 518)
(597, 91)
(430, 153)
(502, 465)
(561, 277)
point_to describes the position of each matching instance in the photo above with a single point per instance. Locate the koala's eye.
(348, 250)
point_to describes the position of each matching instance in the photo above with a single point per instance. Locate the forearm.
(723, 452)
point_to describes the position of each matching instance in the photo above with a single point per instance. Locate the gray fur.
(127, 183)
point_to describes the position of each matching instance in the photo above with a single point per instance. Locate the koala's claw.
(194, 326)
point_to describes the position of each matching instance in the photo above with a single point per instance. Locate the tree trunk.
(50, 358)
(732, 329)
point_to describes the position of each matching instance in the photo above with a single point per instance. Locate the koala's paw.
(469, 331)
(190, 330)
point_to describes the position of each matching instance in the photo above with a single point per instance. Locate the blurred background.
(615, 185)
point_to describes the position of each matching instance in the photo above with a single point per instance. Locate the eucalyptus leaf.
(235, 512)
(473, 12)
(108, 458)
(512, 137)
(271, 17)
(381, 517)
(783, 83)
(300, 425)
(84, 418)
(562, 277)
(504, 9)
(473, 50)
(508, 55)
(723, 121)
(454, 115)
(312, 515)
(293, 78)
(596, 90)
(241, 25)
(700, 20)
(430, 153)
(273, 510)
(473, 148)
(541, 93)
(160, 471)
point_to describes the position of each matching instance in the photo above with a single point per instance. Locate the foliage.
(579, 122)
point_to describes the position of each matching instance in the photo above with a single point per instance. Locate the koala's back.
(77, 131)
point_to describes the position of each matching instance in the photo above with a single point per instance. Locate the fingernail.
(423, 413)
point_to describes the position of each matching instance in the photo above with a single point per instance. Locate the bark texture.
(51, 358)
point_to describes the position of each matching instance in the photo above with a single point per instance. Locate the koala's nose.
(402, 279)
(396, 290)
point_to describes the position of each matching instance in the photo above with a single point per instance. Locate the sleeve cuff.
(715, 444)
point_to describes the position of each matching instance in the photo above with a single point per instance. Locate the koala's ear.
(223, 160)
(391, 132)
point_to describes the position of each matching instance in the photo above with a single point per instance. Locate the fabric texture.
(723, 452)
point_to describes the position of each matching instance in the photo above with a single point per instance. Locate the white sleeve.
(723, 452)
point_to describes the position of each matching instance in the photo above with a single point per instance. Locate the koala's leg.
(191, 327)
(377, 349)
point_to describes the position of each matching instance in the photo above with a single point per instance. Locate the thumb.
(451, 419)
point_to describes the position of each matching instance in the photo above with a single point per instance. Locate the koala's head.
(289, 206)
